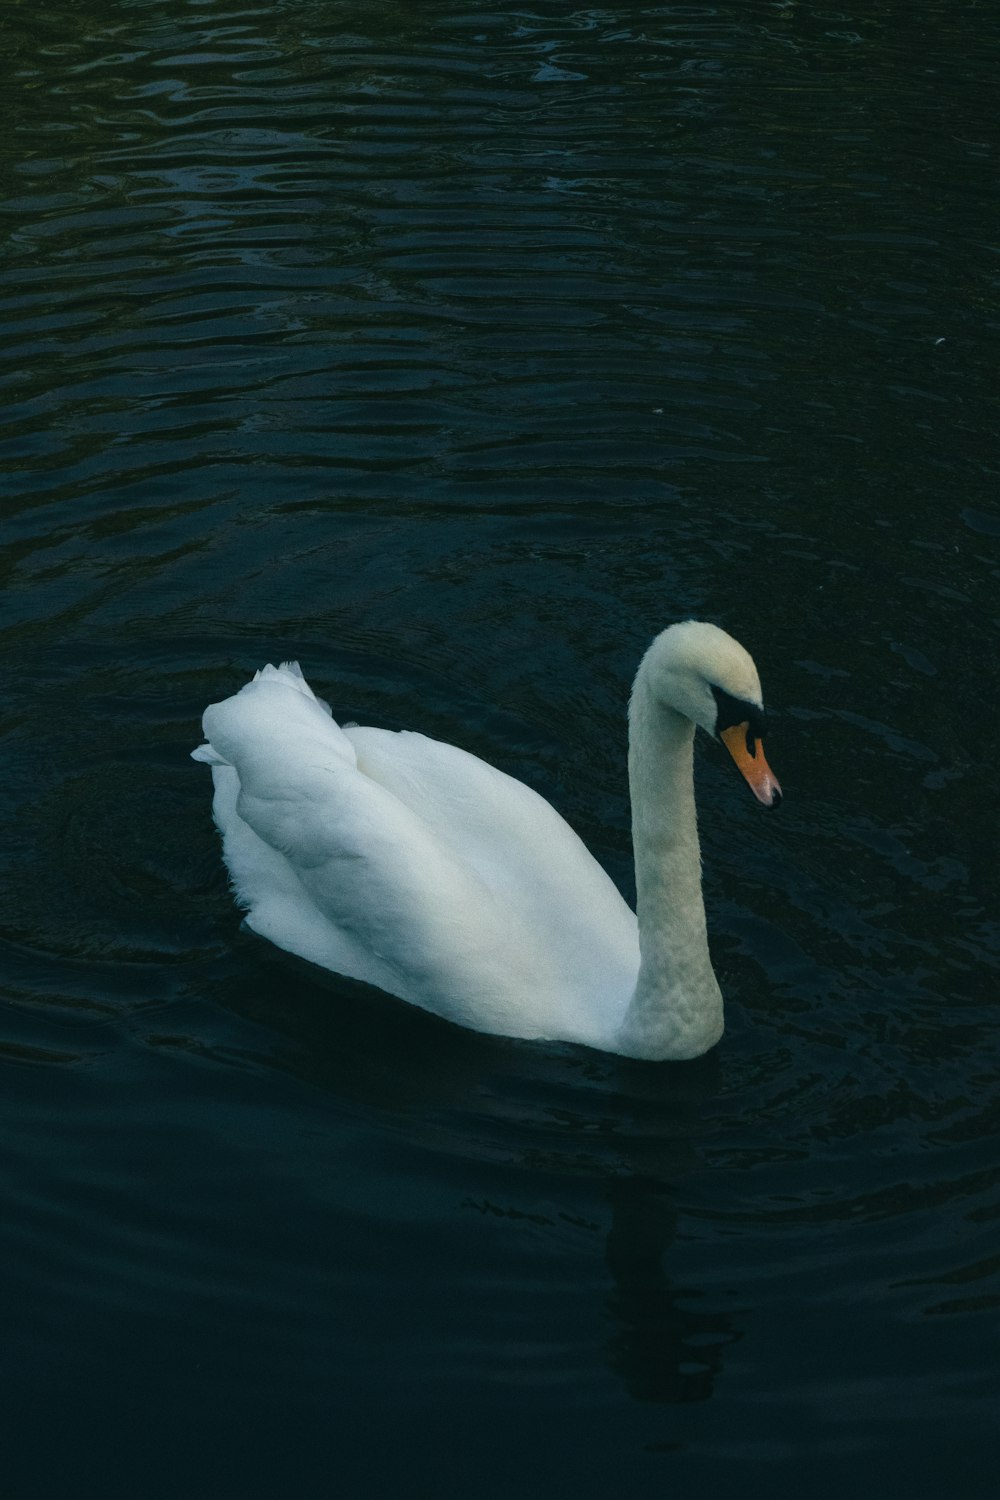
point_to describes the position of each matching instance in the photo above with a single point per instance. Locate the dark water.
(456, 350)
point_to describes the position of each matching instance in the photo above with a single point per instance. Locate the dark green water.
(456, 351)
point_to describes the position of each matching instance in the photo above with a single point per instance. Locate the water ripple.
(455, 351)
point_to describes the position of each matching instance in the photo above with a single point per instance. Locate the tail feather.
(268, 711)
(209, 756)
(290, 673)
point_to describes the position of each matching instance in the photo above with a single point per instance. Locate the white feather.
(415, 866)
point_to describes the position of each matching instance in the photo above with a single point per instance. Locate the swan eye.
(731, 711)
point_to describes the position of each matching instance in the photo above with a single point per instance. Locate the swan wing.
(389, 858)
(521, 849)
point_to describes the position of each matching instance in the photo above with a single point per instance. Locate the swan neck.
(676, 1008)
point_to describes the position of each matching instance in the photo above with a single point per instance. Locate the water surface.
(455, 352)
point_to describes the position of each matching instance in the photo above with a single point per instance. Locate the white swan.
(412, 865)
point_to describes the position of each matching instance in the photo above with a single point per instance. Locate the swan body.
(414, 866)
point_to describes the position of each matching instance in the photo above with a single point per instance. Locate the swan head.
(703, 673)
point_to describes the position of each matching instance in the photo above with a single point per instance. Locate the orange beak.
(753, 767)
